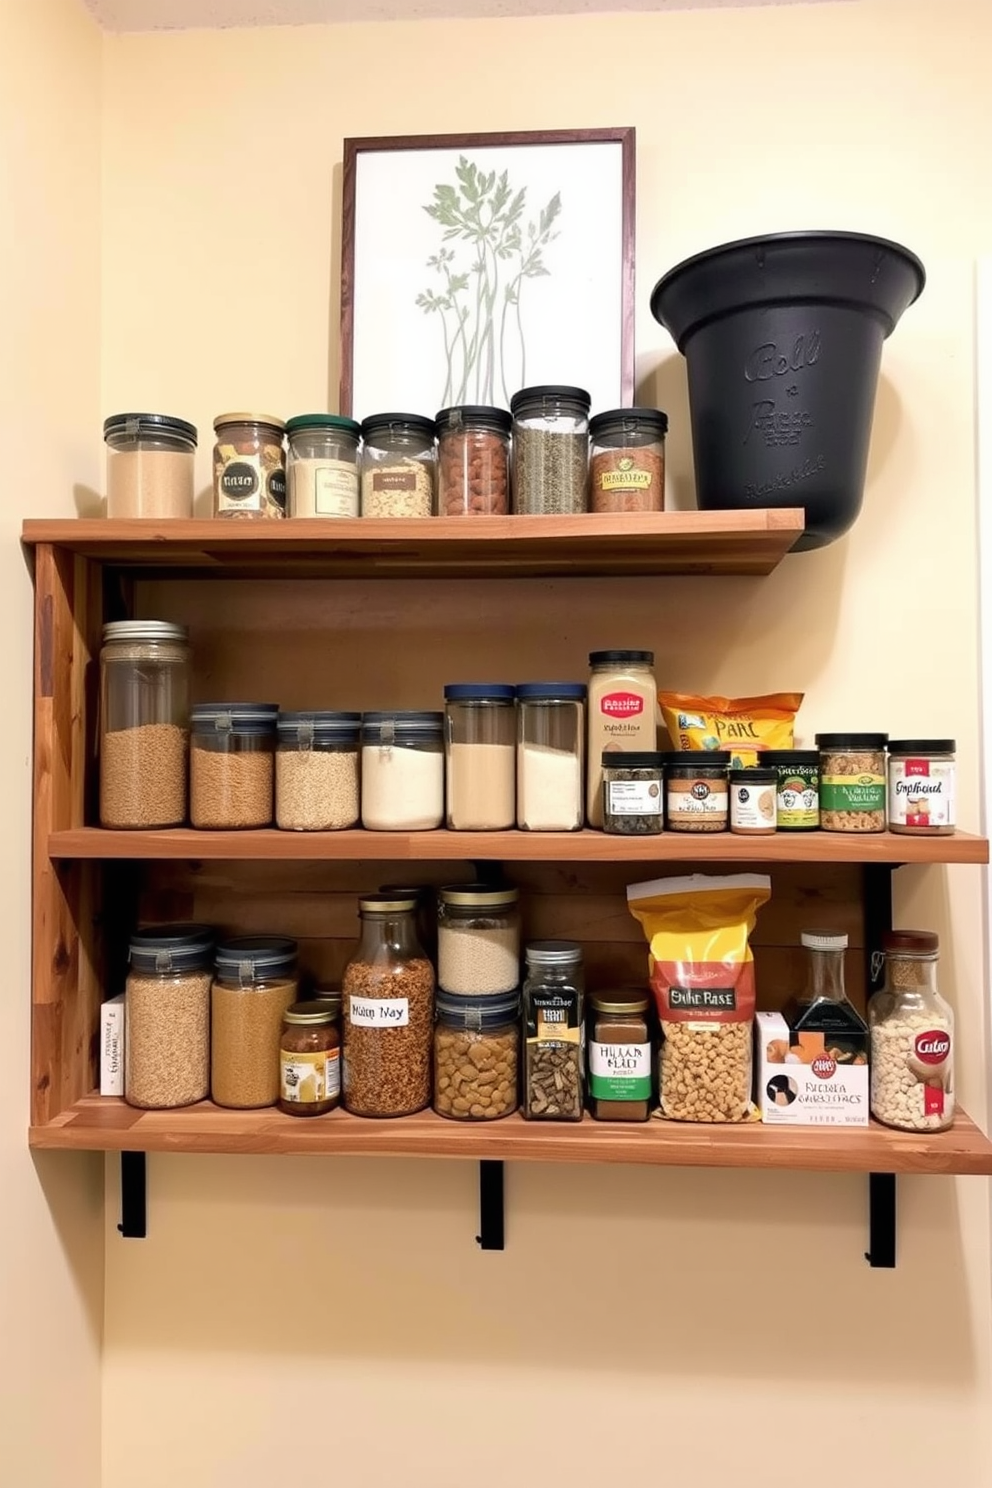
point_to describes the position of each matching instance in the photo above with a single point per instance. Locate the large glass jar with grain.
(167, 1017)
(318, 771)
(255, 982)
(144, 708)
(232, 765)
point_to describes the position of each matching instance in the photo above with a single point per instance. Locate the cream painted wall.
(51, 1240)
(716, 1324)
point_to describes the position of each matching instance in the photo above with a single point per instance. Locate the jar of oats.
(144, 683)
(167, 1017)
(317, 771)
(231, 764)
(249, 466)
(398, 465)
(852, 782)
(912, 1037)
(254, 983)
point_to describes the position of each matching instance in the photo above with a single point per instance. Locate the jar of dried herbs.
(620, 1062)
(550, 451)
(553, 1031)
(627, 471)
(633, 797)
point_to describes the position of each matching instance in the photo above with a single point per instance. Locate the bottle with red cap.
(912, 1037)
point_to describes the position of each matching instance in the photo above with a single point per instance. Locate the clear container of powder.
(402, 771)
(480, 756)
(550, 756)
(149, 465)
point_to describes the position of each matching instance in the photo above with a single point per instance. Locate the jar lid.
(910, 943)
(753, 775)
(480, 692)
(691, 761)
(392, 903)
(551, 392)
(376, 726)
(553, 952)
(168, 948)
(552, 692)
(452, 420)
(618, 759)
(234, 718)
(398, 423)
(852, 741)
(481, 896)
(253, 957)
(621, 658)
(144, 630)
(332, 423)
(475, 1012)
(790, 756)
(145, 425)
(309, 1014)
(304, 724)
(620, 1000)
(417, 892)
(629, 421)
(267, 420)
(824, 940)
(922, 746)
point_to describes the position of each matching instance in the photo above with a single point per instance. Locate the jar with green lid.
(322, 466)
(550, 451)
(852, 782)
(317, 771)
(620, 1055)
(478, 939)
(627, 469)
(553, 1004)
(144, 712)
(167, 1017)
(697, 790)
(798, 788)
(232, 764)
(249, 466)
(398, 465)
(476, 1051)
(255, 981)
(310, 1057)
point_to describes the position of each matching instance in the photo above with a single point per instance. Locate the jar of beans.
(476, 1050)
(398, 466)
(249, 466)
(550, 450)
(317, 771)
(478, 939)
(473, 460)
(322, 466)
(231, 764)
(167, 1017)
(627, 469)
(255, 982)
(144, 682)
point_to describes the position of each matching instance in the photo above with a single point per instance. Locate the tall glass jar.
(553, 1031)
(478, 939)
(150, 459)
(322, 466)
(398, 465)
(388, 1005)
(622, 715)
(317, 771)
(627, 469)
(402, 771)
(231, 764)
(167, 1017)
(249, 466)
(473, 451)
(912, 1037)
(144, 708)
(481, 756)
(550, 756)
(310, 1058)
(425, 914)
(255, 981)
(550, 451)
(476, 1051)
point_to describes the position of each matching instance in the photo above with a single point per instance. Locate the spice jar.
(317, 771)
(150, 460)
(476, 1048)
(922, 787)
(144, 684)
(480, 756)
(167, 1017)
(912, 1037)
(627, 470)
(231, 771)
(852, 782)
(696, 791)
(249, 466)
(254, 983)
(473, 461)
(553, 1031)
(620, 1057)
(310, 1058)
(797, 788)
(398, 466)
(753, 801)
(622, 714)
(478, 939)
(633, 794)
(322, 466)
(550, 451)
(388, 1003)
(550, 756)
(402, 771)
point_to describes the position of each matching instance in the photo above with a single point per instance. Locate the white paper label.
(379, 1012)
(921, 793)
(336, 490)
(633, 798)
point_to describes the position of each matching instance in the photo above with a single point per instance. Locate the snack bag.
(702, 976)
(745, 726)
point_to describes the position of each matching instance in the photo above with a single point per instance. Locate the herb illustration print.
(480, 301)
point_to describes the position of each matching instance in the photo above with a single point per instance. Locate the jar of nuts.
(255, 982)
(852, 782)
(398, 465)
(475, 1057)
(473, 461)
(231, 764)
(553, 1031)
(249, 466)
(167, 1017)
(912, 1037)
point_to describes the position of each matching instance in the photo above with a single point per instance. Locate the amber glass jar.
(310, 1058)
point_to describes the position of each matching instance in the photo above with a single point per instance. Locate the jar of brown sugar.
(310, 1058)
(627, 468)
(473, 453)
(249, 466)
(620, 1064)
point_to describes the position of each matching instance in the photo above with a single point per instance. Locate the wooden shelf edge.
(185, 844)
(104, 1124)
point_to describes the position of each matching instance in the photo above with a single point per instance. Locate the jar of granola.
(249, 466)
(398, 466)
(852, 782)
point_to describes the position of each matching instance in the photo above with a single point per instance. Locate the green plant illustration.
(479, 302)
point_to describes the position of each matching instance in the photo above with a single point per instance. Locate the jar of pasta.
(627, 470)
(398, 465)
(249, 466)
(852, 782)
(322, 466)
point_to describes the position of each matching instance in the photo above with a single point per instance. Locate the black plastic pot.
(782, 337)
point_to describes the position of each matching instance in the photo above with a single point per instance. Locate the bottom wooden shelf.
(105, 1124)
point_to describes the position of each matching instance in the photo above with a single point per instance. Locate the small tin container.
(753, 801)
(922, 787)
(798, 790)
(696, 794)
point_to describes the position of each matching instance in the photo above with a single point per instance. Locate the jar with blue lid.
(317, 771)
(402, 771)
(476, 1056)
(232, 764)
(480, 756)
(551, 756)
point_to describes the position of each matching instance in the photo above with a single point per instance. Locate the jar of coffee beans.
(550, 451)
(552, 1013)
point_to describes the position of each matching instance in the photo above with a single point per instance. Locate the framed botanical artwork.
(474, 265)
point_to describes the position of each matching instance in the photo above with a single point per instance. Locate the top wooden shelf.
(715, 542)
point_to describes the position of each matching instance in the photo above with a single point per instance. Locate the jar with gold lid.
(249, 466)
(619, 1046)
(310, 1057)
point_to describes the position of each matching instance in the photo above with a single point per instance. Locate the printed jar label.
(394, 480)
(694, 798)
(310, 1078)
(799, 801)
(553, 1017)
(626, 477)
(621, 705)
(921, 793)
(335, 490)
(620, 1071)
(853, 793)
(752, 807)
(633, 798)
(379, 1012)
(240, 485)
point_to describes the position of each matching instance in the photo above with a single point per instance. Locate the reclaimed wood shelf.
(106, 1124)
(183, 843)
(675, 542)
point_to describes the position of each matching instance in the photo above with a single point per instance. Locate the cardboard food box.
(112, 1046)
(810, 1077)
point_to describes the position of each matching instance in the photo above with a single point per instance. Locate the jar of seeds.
(550, 451)
(317, 771)
(144, 682)
(398, 466)
(232, 751)
(167, 1017)
(255, 982)
(553, 1031)
(249, 466)
(476, 1045)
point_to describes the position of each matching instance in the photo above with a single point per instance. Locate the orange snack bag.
(744, 726)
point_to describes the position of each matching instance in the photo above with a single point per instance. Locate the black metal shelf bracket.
(491, 1232)
(134, 1215)
(881, 1252)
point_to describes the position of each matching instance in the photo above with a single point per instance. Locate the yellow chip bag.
(744, 726)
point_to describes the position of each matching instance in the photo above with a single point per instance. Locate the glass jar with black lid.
(627, 466)
(473, 461)
(633, 793)
(167, 1016)
(398, 465)
(550, 450)
(232, 764)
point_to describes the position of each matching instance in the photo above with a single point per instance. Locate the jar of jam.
(310, 1057)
